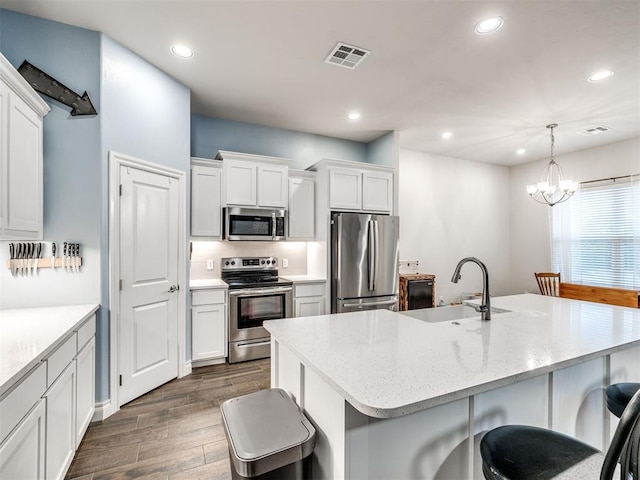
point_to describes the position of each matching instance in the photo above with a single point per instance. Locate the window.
(596, 235)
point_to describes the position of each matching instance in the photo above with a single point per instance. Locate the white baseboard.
(103, 410)
(206, 363)
(187, 368)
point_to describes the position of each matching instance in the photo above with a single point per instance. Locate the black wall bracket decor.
(49, 86)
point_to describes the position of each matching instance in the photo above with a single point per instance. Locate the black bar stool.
(521, 452)
(619, 395)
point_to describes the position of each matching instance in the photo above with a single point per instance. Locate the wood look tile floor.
(173, 432)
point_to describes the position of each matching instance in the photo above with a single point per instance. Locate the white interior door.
(149, 259)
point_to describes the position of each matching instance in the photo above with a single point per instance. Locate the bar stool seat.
(619, 395)
(523, 452)
(516, 452)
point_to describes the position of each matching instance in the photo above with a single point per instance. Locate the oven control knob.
(233, 263)
(262, 262)
(226, 263)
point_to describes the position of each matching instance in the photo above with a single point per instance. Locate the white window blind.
(596, 235)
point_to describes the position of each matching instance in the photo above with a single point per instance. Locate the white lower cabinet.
(310, 299)
(43, 418)
(22, 452)
(209, 325)
(85, 390)
(61, 423)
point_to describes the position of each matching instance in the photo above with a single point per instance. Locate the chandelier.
(552, 187)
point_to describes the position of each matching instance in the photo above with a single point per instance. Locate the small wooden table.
(405, 279)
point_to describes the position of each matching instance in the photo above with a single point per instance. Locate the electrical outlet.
(285, 263)
(210, 264)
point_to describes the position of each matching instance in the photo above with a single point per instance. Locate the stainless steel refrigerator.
(364, 262)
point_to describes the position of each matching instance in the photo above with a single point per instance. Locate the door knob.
(174, 288)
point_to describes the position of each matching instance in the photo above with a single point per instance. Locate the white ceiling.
(262, 62)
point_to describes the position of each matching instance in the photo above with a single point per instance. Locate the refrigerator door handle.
(371, 242)
(376, 243)
(372, 304)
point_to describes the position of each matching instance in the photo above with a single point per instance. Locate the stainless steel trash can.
(269, 437)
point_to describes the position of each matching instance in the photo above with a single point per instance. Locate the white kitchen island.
(394, 397)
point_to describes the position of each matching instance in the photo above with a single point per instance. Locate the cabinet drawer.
(59, 359)
(204, 297)
(86, 331)
(309, 290)
(15, 405)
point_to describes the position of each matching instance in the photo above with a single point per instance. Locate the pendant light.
(552, 187)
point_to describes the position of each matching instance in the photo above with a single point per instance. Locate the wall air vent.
(346, 56)
(594, 131)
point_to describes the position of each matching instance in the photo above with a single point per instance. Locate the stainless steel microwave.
(242, 223)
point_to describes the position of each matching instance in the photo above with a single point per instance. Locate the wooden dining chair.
(549, 283)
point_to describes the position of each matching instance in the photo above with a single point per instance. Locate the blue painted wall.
(72, 174)
(146, 115)
(208, 135)
(380, 151)
(142, 112)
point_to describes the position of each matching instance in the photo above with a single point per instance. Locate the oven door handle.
(254, 292)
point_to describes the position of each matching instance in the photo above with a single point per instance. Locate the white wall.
(529, 221)
(450, 209)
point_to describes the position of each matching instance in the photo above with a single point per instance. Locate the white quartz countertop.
(388, 364)
(27, 335)
(304, 278)
(207, 283)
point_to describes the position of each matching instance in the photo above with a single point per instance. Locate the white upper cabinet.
(241, 180)
(21, 172)
(345, 188)
(272, 185)
(377, 191)
(254, 180)
(360, 189)
(301, 205)
(206, 198)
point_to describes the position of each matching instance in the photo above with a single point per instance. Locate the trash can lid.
(266, 425)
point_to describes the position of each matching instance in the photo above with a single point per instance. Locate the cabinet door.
(301, 208)
(206, 184)
(377, 191)
(22, 453)
(310, 306)
(240, 182)
(85, 388)
(345, 189)
(208, 332)
(61, 424)
(22, 171)
(272, 185)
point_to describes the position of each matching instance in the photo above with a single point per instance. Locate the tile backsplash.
(294, 252)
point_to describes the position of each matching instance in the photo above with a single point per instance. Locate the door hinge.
(120, 380)
(120, 284)
(120, 189)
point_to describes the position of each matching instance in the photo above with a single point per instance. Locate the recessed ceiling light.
(521, 151)
(181, 51)
(354, 116)
(596, 77)
(447, 135)
(488, 25)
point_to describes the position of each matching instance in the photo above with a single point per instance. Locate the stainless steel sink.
(444, 314)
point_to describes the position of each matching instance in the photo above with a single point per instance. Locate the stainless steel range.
(256, 294)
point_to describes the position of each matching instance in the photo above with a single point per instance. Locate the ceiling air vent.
(595, 130)
(346, 56)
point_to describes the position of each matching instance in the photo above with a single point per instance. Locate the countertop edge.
(393, 412)
(14, 380)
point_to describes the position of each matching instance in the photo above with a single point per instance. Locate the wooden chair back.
(548, 283)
